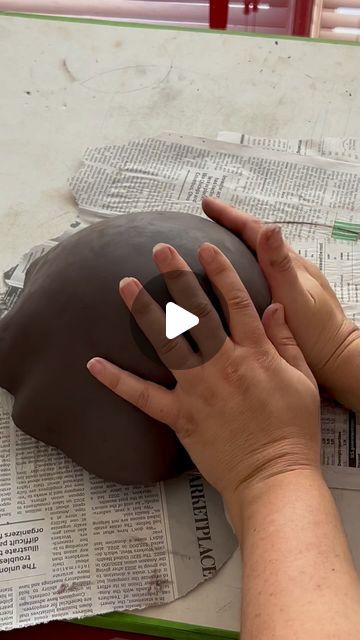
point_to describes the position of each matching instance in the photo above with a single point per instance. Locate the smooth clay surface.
(70, 311)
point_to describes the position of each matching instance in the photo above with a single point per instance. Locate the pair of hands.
(252, 411)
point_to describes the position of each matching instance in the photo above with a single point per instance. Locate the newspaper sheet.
(72, 545)
(305, 194)
(346, 149)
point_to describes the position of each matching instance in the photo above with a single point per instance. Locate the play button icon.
(178, 320)
(181, 311)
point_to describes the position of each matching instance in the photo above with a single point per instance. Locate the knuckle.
(287, 341)
(232, 371)
(219, 267)
(282, 263)
(264, 357)
(167, 346)
(202, 309)
(143, 399)
(239, 301)
(176, 274)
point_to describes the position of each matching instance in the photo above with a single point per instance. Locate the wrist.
(251, 500)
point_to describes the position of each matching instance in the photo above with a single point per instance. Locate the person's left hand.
(249, 412)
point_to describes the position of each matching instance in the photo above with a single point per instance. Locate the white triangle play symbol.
(178, 320)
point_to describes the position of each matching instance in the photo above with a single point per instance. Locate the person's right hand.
(313, 312)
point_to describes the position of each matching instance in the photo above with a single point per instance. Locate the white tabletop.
(66, 86)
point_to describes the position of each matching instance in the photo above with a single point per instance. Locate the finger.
(186, 290)
(279, 265)
(292, 278)
(242, 224)
(151, 398)
(176, 353)
(283, 340)
(244, 322)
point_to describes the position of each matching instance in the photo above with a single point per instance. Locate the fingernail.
(162, 254)
(278, 312)
(210, 199)
(96, 367)
(274, 236)
(207, 253)
(129, 287)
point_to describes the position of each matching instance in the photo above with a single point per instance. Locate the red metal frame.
(302, 17)
(218, 16)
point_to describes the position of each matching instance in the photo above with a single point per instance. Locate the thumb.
(277, 264)
(283, 340)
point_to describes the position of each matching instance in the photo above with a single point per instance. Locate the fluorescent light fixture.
(238, 5)
(348, 11)
(348, 30)
(262, 5)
